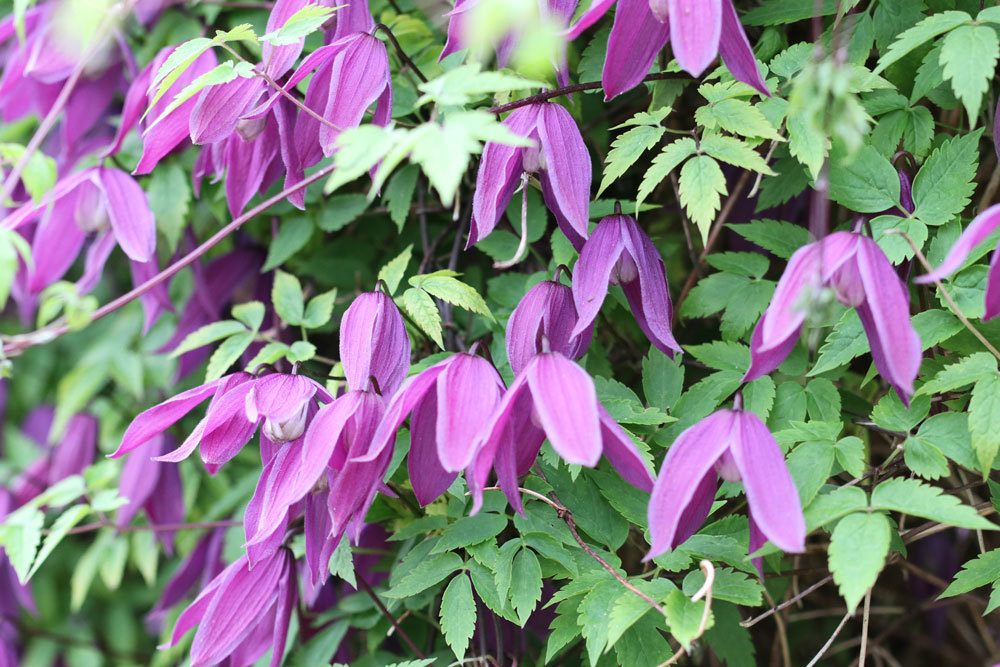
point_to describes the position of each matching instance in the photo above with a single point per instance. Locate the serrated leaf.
(628, 607)
(966, 371)
(287, 298)
(701, 185)
(320, 309)
(526, 584)
(865, 181)
(293, 235)
(268, 354)
(341, 563)
(664, 163)
(626, 149)
(227, 354)
(845, 342)
(20, 534)
(736, 116)
(458, 614)
(59, 530)
(208, 334)
(828, 507)
(428, 572)
(969, 56)
(453, 291)
(467, 83)
(929, 28)
(779, 238)
(984, 421)
(304, 22)
(911, 496)
(250, 313)
(858, 547)
(182, 57)
(924, 459)
(398, 194)
(392, 273)
(943, 186)
(421, 308)
(220, 74)
(684, 617)
(470, 530)
(983, 570)
(735, 152)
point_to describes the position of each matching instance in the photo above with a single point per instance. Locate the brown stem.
(367, 588)
(400, 52)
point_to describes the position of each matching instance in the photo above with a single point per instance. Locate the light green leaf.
(735, 152)
(421, 308)
(736, 116)
(392, 273)
(924, 459)
(287, 298)
(453, 291)
(829, 507)
(301, 351)
(943, 186)
(59, 530)
(467, 83)
(664, 163)
(268, 354)
(983, 570)
(966, 371)
(398, 194)
(626, 149)
(182, 57)
(145, 555)
(169, 193)
(20, 534)
(929, 28)
(250, 313)
(684, 617)
(984, 421)
(845, 342)
(458, 614)
(701, 185)
(320, 309)
(304, 22)
(969, 56)
(858, 547)
(293, 235)
(341, 563)
(227, 354)
(223, 73)
(913, 497)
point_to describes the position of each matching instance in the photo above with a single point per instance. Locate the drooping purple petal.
(56, 245)
(690, 459)
(467, 393)
(219, 108)
(649, 294)
(227, 429)
(590, 17)
(735, 50)
(635, 41)
(593, 270)
(621, 452)
(374, 343)
(137, 482)
(993, 288)
(455, 41)
(498, 437)
(566, 404)
(360, 73)
(353, 16)
(566, 176)
(771, 493)
(159, 418)
(695, 28)
(128, 210)
(978, 230)
(279, 59)
(428, 477)
(165, 506)
(546, 311)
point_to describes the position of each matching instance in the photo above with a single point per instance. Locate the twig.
(568, 90)
(704, 592)
(14, 345)
(864, 628)
(787, 603)
(829, 642)
(944, 293)
(388, 615)
(399, 50)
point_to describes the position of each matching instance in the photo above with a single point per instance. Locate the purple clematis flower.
(554, 398)
(155, 487)
(102, 201)
(559, 158)
(734, 445)
(162, 132)
(978, 230)
(277, 403)
(861, 277)
(448, 405)
(546, 315)
(242, 613)
(374, 344)
(619, 252)
(202, 565)
(698, 29)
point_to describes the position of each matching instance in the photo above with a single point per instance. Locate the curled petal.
(279, 396)
(427, 475)
(546, 311)
(360, 73)
(635, 41)
(621, 452)
(649, 294)
(159, 418)
(498, 437)
(978, 230)
(735, 51)
(374, 343)
(590, 17)
(227, 428)
(131, 218)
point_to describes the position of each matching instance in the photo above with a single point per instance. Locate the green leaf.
(624, 406)
(112, 566)
(913, 497)
(966, 371)
(943, 186)
(227, 354)
(735, 152)
(250, 313)
(223, 73)
(341, 563)
(983, 570)
(924, 459)
(858, 547)
(781, 239)
(664, 163)
(829, 507)
(845, 342)
(20, 535)
(810, 464)
(421, 308)
(268, 354)
(890, 413)
(208, 334)
(776, 12)
(736, 116)
(526, 584)
(467, 83)
(822, 400)
(293, 235)
(984, 421)
(865, 182)
(428, 572)
(145, 555)
(453, 291)
(722, 356)
(59, 530)
(287, 298)
(684, 617)
(458, 614)
(320, 309)
(304, 22)
(470, 530)
(701, 185)
(969, 56)
(662, 379)
(626, 149)
(86, 568)
(301, 351)
(736, 587)
(850, 453)
(182, 57)
(392, 273)
(341, 211)
(398, 194)
(169, 194)
(628, 607)
(929, 28)
(593, 617)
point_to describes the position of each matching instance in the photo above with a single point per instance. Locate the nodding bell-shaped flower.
(242, 613)
(978, 230)
(163, 131)
(736, 446)
(552, 397)
(619, 252)
(559, 158)
(862, 277)
(545, 315)
(199, 567)
(279, 403)
(155, 487)
(103, 202)
(698, 31)
(374, 345)
(448, 405)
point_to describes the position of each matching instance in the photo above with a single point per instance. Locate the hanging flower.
(545, 315)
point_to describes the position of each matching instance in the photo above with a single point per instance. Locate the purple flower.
(978, 230)
(242, 613)
(154, 487)
(734, 445)
(697, 29)
(619, 252)
(554, 398)
(162, 132)
(374, 344)
(201, 565)
(277, 403)
(448, 405)
(65, 456)
(861, 276)
(546, 316)
(100, 201)
(559, 158)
